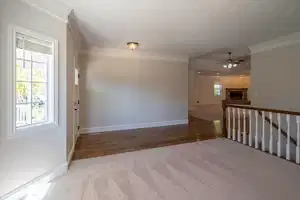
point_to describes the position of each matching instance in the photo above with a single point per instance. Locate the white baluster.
(228, 120)
(279, 135)
(239, 125)
(298, 140)
(263, 145)
(250, 129)
(271, 134)
(288, 143)
(256, 129)
(244, 133)
(233, 124)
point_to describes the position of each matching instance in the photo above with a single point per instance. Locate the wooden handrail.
(262, 109)
(276, 126)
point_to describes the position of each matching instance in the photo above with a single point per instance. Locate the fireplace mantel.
(236, 96)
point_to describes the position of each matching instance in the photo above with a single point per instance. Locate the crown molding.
(125, 53)
(75, 30)
(282, 41)
(221, 73)
(56, 10)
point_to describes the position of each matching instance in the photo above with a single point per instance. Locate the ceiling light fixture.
(230, 63)
(132, 45)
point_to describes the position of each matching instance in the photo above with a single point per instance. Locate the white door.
(76, 103)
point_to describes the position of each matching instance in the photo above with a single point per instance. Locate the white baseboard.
(42, 179)
(131, 126)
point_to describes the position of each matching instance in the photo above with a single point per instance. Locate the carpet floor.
(217, 169)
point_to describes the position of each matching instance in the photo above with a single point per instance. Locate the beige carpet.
(210, 170)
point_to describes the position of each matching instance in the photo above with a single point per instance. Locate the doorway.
(76, 102)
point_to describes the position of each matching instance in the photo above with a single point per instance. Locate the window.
(34, 79)
(217, 89)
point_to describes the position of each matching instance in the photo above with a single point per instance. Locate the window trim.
(52, 122)
(221, 89)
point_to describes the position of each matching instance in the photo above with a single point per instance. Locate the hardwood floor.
(102, 144)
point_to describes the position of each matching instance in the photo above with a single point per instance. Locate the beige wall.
(126, 91)
(192, 87)
(204, 87)
(275, 84)
(25, 158)
(275, 78)
(71, 63)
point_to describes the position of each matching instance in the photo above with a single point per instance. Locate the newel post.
(224, 128)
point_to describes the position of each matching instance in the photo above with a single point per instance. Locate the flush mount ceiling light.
(132, 45)
(230, 63)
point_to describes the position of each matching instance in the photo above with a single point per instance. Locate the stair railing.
(283, 132)
(270, 130)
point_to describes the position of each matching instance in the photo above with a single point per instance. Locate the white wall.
(204, 89)
(275, 78)
(125, 91)
(25, 158)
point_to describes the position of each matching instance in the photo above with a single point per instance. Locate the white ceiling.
(214, 66)
(212, 62)
(190, 27)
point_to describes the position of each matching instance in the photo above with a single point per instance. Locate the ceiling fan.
(230, 63)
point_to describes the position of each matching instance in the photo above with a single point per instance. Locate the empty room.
(149, 99)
